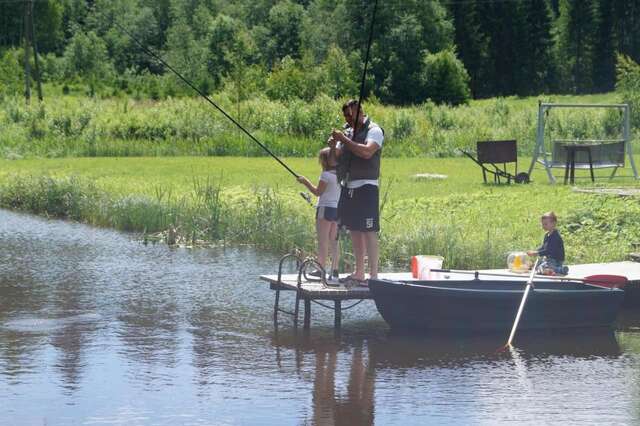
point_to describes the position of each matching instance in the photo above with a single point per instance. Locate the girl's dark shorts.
(327, 213)
(358, 209)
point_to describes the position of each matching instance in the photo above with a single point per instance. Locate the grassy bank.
(75, 125)
(254, 201)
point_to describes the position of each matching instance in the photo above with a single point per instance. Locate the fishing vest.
(350, 166)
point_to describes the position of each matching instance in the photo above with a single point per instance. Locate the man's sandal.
(353, 281)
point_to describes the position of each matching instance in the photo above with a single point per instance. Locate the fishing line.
(364, 71)
(188, 83)
(362, 83)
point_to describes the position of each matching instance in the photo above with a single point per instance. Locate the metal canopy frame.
(541, 155)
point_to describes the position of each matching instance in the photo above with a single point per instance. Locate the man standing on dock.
(359, 155)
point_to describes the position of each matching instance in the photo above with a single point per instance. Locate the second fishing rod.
(204, 95)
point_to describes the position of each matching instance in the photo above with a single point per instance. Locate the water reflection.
(203, 320)
(347, 369)
(129, 334)
(343, 376)
(46, 302)
(403, 351)
(148, 328)
(18, 354)
(72, 343)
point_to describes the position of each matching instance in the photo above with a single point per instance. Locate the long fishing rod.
(362, 83)
(188, 83)
(364, 71)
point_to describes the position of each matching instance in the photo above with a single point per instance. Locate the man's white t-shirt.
(376, 135)
(331, 194)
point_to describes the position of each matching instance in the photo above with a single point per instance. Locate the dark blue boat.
(491, 305)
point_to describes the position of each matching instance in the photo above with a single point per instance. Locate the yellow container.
(518, 262)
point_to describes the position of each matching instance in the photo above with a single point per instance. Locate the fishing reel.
(306, 197)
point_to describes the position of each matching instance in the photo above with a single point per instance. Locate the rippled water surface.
(96, 328)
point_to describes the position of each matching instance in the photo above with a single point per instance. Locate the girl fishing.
(328, 191)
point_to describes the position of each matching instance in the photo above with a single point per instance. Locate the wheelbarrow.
(493, 157)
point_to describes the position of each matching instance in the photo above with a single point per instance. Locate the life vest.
(350, 166)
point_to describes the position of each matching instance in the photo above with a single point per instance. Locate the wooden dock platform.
(309, 291)
(315, 291)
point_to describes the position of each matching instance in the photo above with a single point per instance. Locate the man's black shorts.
(358, 208)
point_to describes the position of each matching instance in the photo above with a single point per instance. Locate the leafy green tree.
(404, 62)
(537, 69)
(230, 47)
(251, 12)
(627, 27)
(315, 38)
(445, 80)
(405, 31)
(11, 75)
(503, 22)
(473, 45)
(201, 22)
(47, 21)
(627, 74)
(628, 85)
(187, 55)
(284, 25)
(286, 81)
(11, 23)
(74, 14)
(161, 10)
(86, 58)
(292, 79)
(137, 19)
(578, 21)
(48, 29)
(604, 66)
(342, 79)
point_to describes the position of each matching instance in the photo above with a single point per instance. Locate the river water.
(97, 328)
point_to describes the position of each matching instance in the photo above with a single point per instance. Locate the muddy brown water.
(97, 328)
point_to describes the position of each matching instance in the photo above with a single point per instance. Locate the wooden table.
(570, 166)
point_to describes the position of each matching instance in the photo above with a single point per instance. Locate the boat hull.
(491, 306)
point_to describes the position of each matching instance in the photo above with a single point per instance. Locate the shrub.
(296, 80)
(86, 58)
(628, 84)
(11, 77)
(403, 126)
(445, 78)
(286, 81)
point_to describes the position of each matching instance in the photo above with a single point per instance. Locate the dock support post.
(338, 313)
(296, 310)
(307, 314)
(276, 306)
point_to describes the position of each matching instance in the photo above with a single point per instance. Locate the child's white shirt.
(331, 194)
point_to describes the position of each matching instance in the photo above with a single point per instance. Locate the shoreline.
(471, 224)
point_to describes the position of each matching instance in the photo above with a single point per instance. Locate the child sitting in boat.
(328, 191)
(552, 248)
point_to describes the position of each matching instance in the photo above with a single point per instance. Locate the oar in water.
(522, 303)
(601, 280)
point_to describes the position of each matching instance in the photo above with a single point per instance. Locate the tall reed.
(471, 230)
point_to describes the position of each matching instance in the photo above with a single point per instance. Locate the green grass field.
(254, 200)
(80, 126)
(123, 163)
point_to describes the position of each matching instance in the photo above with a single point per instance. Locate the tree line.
(443, 50)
